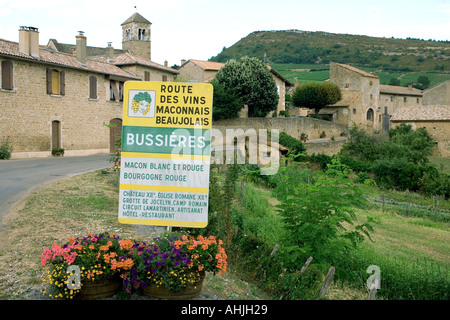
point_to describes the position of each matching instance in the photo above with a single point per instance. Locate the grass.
(406, 249)
(89, 204)
(413, 253)
(442, 164)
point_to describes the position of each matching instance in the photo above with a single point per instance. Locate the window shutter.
(114, 88)
(93, 87)
(7, 75)
(49, 81)
(62, 83)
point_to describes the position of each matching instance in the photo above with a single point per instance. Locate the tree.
(423, 82)
(226, 105)
(394, 82)
(250, 80)
(316, 95)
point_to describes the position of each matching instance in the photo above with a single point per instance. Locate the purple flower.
(186, 260)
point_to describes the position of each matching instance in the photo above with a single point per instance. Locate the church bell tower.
(136, 36)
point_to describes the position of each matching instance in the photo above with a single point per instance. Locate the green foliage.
(301, 285)
(226, 104)
(315, 213)
(5, 149)
(397, 161)
(251, 81)
(221, 195)
(401, 279)
(295, 146)
(292, 46)
(316, 95)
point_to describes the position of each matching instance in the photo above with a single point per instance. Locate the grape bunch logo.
(141, 104)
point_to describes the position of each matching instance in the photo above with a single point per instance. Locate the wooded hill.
(385, 55)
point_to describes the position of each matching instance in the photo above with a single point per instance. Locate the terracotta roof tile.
(347, 98)
(422, 113)
(208, 65)
(67, 60)
(361, 72)
(128, 58)
(400, 90)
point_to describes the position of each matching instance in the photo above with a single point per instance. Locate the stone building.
(205, 71)
(63, 96)
(365, 102)
(435, 119)
(438, 94)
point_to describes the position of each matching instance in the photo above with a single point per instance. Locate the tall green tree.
(226, 104)
(316, 95)
(250, 80)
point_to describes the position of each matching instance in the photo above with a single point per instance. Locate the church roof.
(136, 18)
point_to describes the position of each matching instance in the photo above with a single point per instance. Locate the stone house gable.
(435, 119)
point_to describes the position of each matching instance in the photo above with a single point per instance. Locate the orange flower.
(126, 244)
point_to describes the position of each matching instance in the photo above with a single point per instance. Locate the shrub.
(315, 213)
(295, 146)
(5, 149)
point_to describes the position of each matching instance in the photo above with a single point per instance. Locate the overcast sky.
(199, 29)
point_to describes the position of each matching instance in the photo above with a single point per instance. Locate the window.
(404, 99)
(164, 78)
(354, 110)
(121, 91)
(55, 82)
(141, 34)
(418, 100)
(146, 75)
(113, 92)
(370, 114)
(7, 75)
(92, 87)
(116, 90)
(392, 98)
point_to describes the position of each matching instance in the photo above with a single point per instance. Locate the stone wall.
(27, 111)
(329, 148)
(438, 94)
(293, 126)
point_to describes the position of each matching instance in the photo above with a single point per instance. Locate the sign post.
(165, 155)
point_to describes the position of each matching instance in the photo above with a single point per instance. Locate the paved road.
(19, 177)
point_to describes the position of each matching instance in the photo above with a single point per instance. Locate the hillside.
(390, 56)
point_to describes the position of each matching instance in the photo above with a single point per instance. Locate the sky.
(199, 29)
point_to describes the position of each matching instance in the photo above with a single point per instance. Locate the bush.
(295, 146)
(5, 149)
(314, 214)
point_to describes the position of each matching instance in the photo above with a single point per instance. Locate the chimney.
(29, 41)
(81, 48)
(109, 51)
(166, 63)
